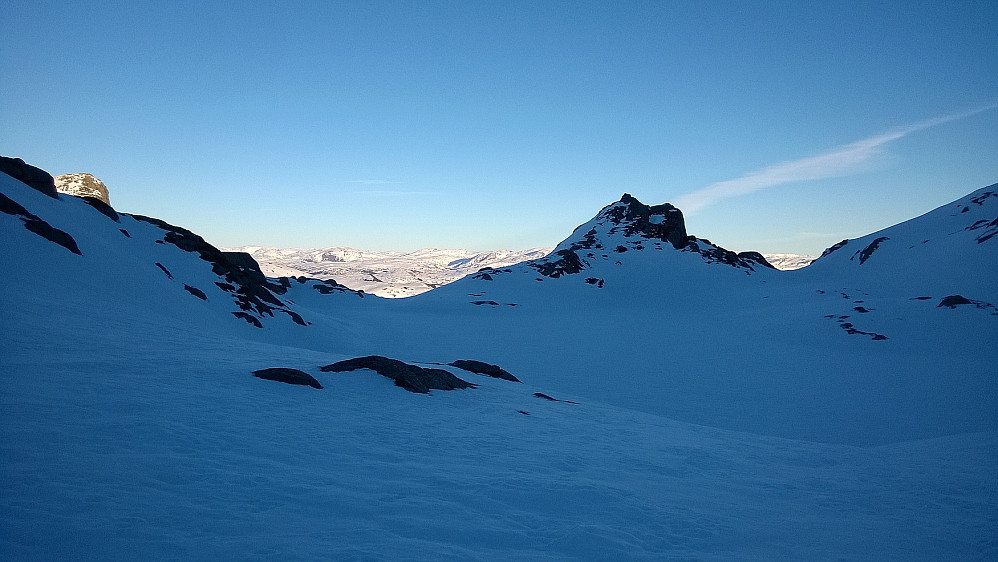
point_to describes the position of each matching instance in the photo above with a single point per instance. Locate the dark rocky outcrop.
(866, 252)
(482, 368)
(410, 377)
(250, 289)
(196, 292)
(102, 207)
(290, 376)
(165, 270)
(249, 318)
(568, 264)
(833, 247)
(35, 178)
(952, 301)
(327, 287)
(38, 226)
(636, 218)
(543, 396)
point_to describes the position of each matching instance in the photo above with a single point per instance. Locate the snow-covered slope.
(622, 314)
(132, 426)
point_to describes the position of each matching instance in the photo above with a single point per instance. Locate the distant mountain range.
(386, 274)
(405, 274)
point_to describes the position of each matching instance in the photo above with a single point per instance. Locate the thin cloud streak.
(372, 182)
(837, 162)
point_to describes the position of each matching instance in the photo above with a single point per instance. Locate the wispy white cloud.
(392, 193)
(834, 163)
(372, 182)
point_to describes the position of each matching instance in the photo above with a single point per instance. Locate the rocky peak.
(82, 185)
(661, 222)
(630, 225)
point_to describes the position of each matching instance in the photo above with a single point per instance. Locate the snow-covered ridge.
(405, 274)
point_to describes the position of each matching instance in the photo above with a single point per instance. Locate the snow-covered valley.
(705, 405)
(405, 274)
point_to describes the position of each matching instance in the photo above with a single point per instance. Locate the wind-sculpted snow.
(674, 404)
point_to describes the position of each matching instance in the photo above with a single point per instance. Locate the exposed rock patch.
(252, 292)
(165, 270)
(38, 226)
(990, 229)
(290, 376)
(327, 287)
(543, 396)
(866, 252)
(953, 301)
(833, 247)
(410, 377)
(196, 292)
(82, 185)
(35, 178)
(102, 207)
(481, 368)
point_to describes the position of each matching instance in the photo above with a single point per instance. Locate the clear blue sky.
(400, 125)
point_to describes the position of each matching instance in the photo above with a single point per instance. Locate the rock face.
(290, 376)
(35, 178)
(410, 377)
(82, 185)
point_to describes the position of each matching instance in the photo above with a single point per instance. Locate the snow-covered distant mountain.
(404, 274)
(386, 274)
(787, 262)
(677, 400)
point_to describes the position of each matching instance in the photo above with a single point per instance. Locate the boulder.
(82, 185)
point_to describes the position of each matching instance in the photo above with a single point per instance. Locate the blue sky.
(399, 125)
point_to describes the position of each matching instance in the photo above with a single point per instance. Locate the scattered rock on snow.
(481, 368)
(196, 292)
(290, 376)
(552, 399)
(38, 226)
(866, 252)
(410, 377)
(953, 301)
